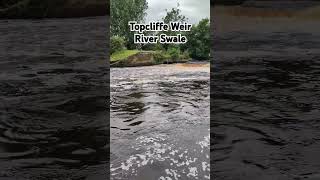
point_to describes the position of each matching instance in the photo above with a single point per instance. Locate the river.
(265, 98)
(160, 122)
(53, 94)
(54, 120)
(264, 110)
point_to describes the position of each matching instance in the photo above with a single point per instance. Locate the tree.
(198, 44)
(123, 11)
(116, 44)
(174, 15)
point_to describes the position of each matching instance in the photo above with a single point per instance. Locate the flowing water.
(160, 122)
(265, 87)
(264, 113)
(53, 91)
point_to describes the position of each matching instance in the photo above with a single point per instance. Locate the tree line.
(121, 12)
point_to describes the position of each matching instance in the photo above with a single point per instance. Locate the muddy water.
(160, 122)
(265, 99)
(53, 110)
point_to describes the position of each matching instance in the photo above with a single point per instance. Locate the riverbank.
(135, 58)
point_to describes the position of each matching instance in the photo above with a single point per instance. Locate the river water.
(160, 122)
(264, 110)
(53, 92)
(265, 87)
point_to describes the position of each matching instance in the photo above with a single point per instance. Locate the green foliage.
(123, 11)
(174, 53)
(120, 55)
(198, 44)
(159, 57)
(185, 55)
(174, 15)
(117, 43)
(149, 47)
(159, 47)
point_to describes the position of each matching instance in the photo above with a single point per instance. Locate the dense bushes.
(174, 53)
(159, 57)
(185, 55)
(117, 43)
(198, 44)
(197, 47)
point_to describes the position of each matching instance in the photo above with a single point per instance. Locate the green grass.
(122, 55)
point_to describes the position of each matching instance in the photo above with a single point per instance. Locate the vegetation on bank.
(158, 54)
(149, 57)
(52, 8)
(122, 45)
(124, 54)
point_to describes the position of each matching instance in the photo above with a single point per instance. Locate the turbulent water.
(160, 123)
(264, 109)
(265, 87)
(53, 110)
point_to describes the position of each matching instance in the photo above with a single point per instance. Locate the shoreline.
(192, 63)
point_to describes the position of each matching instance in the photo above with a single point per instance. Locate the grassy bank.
(133, 58)
(121, 55)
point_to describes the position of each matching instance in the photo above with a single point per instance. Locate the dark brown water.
(281, 5)
(53, 92)
(160, 123)
(265, 87)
